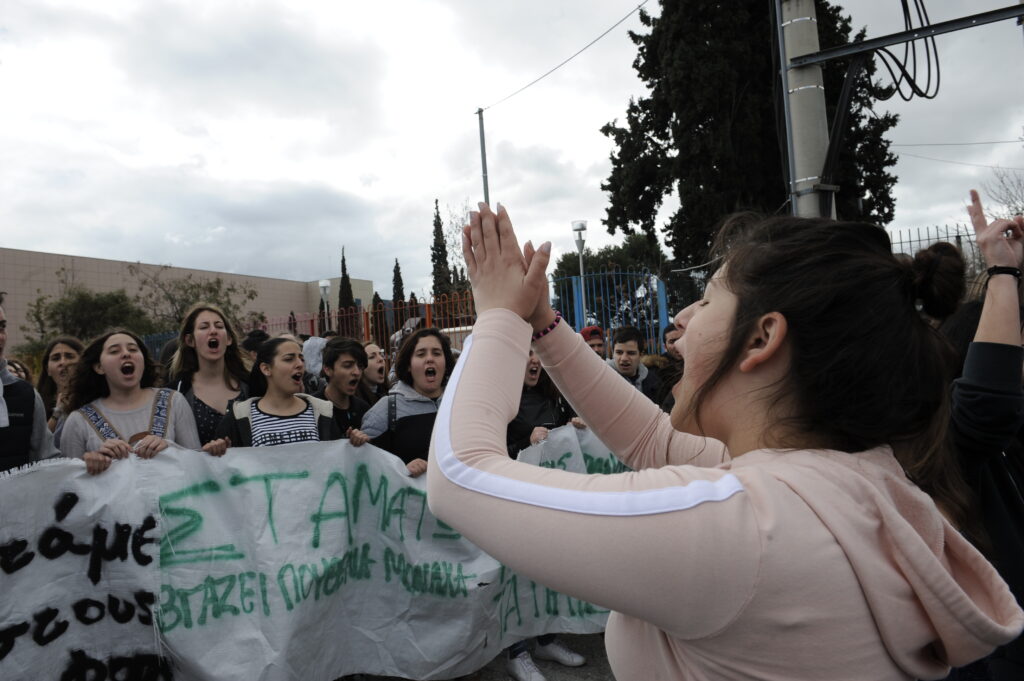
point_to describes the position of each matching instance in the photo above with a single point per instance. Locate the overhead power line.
(956, 144)
(581, 51)
(959, 163)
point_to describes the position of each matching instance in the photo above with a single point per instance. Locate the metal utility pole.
(579, 229)
(804, 105)
(483, 156)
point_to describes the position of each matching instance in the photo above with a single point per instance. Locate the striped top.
(268, 429)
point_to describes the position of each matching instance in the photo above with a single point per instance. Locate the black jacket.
(347, 418)
(535, 409)
(407, 434)
(238, 426)
(988, 414)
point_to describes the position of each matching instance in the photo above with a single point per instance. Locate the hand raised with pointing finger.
(1001, 242)
(500, 275)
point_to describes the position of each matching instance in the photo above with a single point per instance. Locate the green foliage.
(168, 298)
(397, 287)
(442, 274)
(708, 129)
(398, 295)
(345, 298)
(637, 251)
(864, 159)
(348, 317)
(80, 312)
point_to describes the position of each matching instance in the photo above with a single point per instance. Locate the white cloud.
(262, 136)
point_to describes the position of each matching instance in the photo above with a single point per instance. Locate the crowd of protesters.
(952, 415)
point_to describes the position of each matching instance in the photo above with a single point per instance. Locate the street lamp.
(579, 228)
(325, 290)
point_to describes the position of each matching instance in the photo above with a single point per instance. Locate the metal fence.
(386, 324)
(912, 240)
(613, 299)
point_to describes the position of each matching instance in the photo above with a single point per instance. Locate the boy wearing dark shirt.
(344, 362)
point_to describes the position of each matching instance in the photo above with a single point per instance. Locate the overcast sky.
(260, 136)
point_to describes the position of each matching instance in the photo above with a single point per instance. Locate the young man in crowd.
(344, 361)
(673, 367)
(627, 348)
(594, 337)
(24, 436)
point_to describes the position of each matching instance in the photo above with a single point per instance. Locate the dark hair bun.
(939, 281)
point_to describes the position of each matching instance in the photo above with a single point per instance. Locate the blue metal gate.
(614, 299)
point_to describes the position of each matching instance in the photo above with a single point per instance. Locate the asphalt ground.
(591, 646)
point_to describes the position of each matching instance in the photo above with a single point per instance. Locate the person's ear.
(766, 341)
(190, 340)
(265, 369)
(98, 368)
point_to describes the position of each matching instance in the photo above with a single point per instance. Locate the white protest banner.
(306, 561)
(576, 450)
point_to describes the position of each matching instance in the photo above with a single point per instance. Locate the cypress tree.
(708, 128)
(439, 257)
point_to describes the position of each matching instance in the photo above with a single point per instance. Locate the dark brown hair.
(340, 345)
(186, 362)
(46, 386)
(403, 361)
(866, 368)
(939, 272)
(265, 354)
(87, 385)
(625, 334)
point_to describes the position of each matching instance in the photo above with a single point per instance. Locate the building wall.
(25, 275)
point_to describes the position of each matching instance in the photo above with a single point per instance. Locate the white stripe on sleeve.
(625, 503)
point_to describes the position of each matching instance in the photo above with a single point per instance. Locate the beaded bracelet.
(1003, 269)
(551, 327)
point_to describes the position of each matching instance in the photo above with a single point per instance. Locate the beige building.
(25, 275)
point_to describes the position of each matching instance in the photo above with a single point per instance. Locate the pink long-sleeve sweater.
(777, 565)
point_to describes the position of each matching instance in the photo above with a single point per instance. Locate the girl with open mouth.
(795, 517)
(402, 423)
(374, 384)
(207, 368)
(114, 409)
(59, 361)
(278, 412)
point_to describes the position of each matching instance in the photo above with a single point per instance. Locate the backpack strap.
(99, 423)
(158, 416)
(392, 412)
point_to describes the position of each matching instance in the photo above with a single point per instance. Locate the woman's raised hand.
(501, 275)
(1001, 242)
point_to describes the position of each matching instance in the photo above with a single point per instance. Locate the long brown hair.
(46, 386)
(867, 369)
(87, 385)
(185, 362)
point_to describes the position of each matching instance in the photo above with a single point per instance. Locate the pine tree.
(708, 129)
(348, 317)
(439, 257)
(345, 297)
(397, 288)
(377, 302)
(398, 295)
